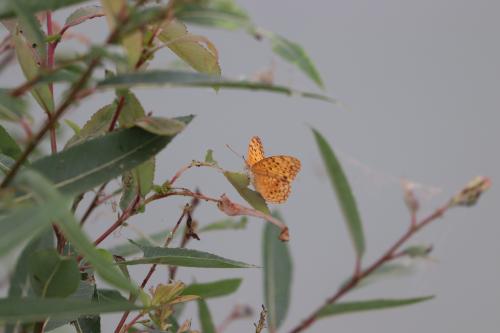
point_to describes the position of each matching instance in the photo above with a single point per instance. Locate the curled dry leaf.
(233, 209)
(185, 326)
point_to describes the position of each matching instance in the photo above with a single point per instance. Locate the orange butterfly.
(271, 176)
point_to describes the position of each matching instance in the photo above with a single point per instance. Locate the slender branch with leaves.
(46, 198)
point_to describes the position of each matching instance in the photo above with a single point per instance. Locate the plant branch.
(390, 254)
(153, 268)
(116, 115)
(68, 101)
(93, 204)
(123, 217)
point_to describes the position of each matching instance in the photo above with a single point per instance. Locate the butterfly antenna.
(231, 149)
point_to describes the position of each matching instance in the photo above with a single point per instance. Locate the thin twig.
(123, 217)
(93, 204)
(390, 254)
(116, 115)
(153, 267)
(68, 101)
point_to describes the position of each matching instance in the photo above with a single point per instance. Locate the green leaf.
(83, 14)
(393, 269)
(160, 125)
(132, 110)
(31, 29)
(213, 289)
(97, 126)
(145, 174)
(418, 251)
(197, 51)
(35, 6)
(189, 79)
(226, 224)
(209, 156)
(376, 304)
(344, 194)
(132, 43)
(11, 108)
(74, 126)
(30, 67)
(184, 257)
(53, 275)
(295, 54)
(224, 14)
(240, 182)
(207, 325)
(6, 163)
(25, 222)
(277, 275)
(26, 310)
(85, 292)
(18, 282)
(8, 145)
(129, 248)
(59, 213)
(89, 324)
(129, 190)
(84, 166)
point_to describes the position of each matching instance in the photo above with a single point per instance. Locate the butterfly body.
(271, 176)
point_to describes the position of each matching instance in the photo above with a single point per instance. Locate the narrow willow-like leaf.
(133, 42)
(30, 67)
(184, 257)
(277, 275)
(50, 198)
(388, 270)
(26, 310)
(344, 194)
(83, 14)
(197, 51)
(160, 125)
(95, 127)
(207, 324)
(31, 29)
(128, 248)
(368, 305)
(84, 166)
(11, 108)
(35, 6)
(132, 109)
(8, 145)
(25, 222)
(213, 289)
(240, 182)
(225, 14)
(189, 79)
(295, 54)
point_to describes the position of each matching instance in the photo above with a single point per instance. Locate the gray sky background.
(422, 80)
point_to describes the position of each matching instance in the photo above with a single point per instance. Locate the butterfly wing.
(255, 151)
(272, 177)
(273, 190)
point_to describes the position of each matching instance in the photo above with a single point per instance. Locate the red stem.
(151, 270)
(119, 107)
(133, 321)
(387, 256)
(125, 215)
